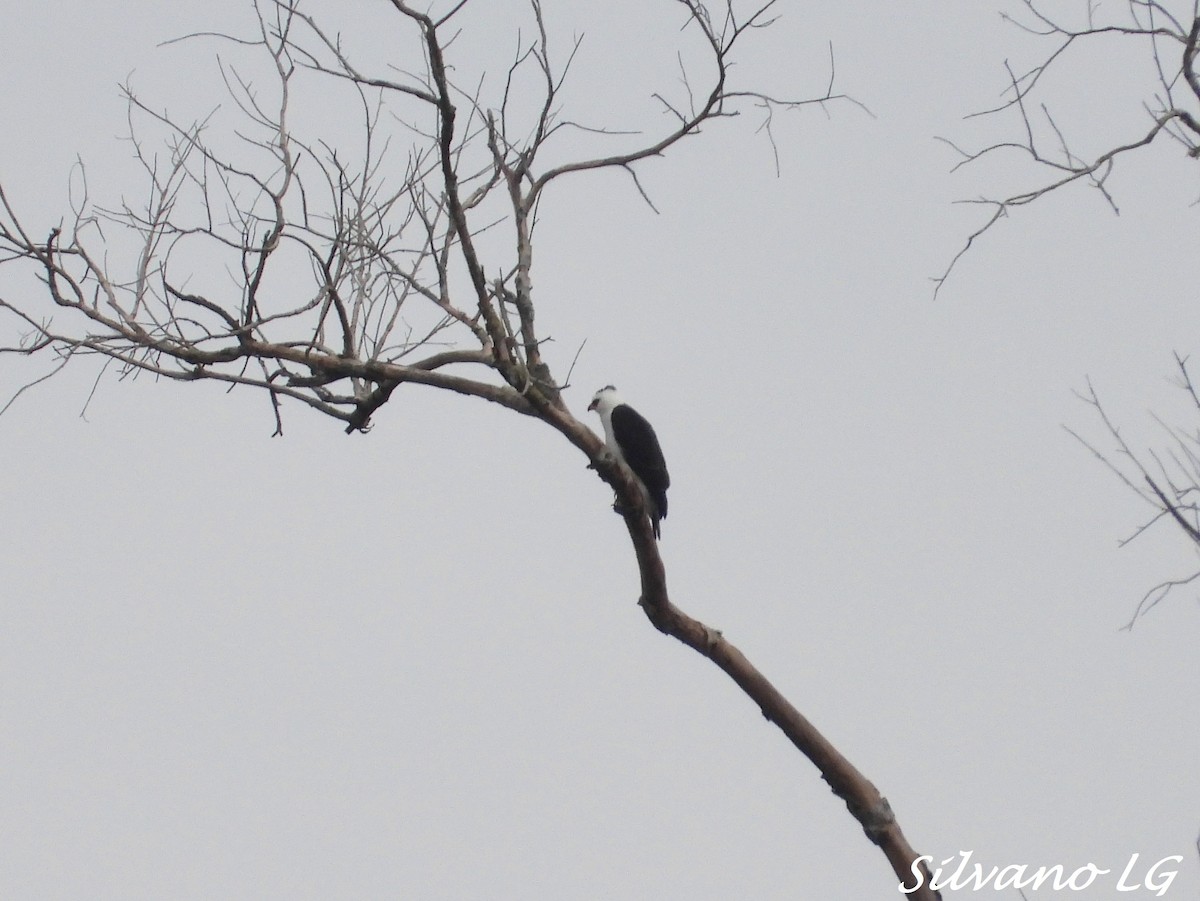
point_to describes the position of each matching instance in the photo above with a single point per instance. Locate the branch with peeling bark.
(863, 800)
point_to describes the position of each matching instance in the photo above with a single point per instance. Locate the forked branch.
(1167, 480)
(1171, 103)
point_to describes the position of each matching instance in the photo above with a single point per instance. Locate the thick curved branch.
(864, 801)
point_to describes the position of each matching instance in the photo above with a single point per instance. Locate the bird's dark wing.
(640, 447)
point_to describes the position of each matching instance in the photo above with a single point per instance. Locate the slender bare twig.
(1167, 480)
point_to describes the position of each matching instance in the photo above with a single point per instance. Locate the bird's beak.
(592, 405)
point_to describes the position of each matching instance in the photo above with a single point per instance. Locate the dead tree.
(269, 259)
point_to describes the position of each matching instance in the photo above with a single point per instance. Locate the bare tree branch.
(1172, 106)
(1170, 486)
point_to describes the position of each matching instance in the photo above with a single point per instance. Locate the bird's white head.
(604, 400)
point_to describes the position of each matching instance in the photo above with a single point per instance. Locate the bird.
(631, 439)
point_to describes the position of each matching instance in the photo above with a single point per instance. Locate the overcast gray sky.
(410, 664)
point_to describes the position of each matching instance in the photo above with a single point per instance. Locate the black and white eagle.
(631, 439)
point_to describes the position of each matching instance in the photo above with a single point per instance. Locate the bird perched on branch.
(631, 439)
